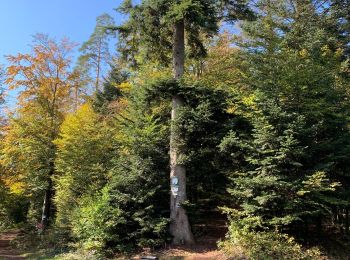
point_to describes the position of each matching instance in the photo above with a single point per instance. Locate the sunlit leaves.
(44, 74)
(84, 149)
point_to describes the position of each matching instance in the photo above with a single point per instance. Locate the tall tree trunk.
(75, 98)
(98, 67)
(180, 227)
(46, 211)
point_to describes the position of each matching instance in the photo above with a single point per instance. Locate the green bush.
(242, 243)
(4, 220)
(13, 208)
(94, 221)
(101, 224)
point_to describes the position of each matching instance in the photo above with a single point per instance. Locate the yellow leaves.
(150, 71)
(43, 74)
(125, 87)
(82, 126)
(325, 50)
(232, 109)
(12, 182)
(83, 116)
(17, 187)
(339, 52)
(303, 53)
(123, 102)
(249, 100)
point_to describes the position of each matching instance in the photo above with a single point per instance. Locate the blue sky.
(75, 19)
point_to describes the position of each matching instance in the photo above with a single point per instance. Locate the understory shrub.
(13, 208)
(243, 243)
(94, 221)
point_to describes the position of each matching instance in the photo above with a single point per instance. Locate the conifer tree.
(95, 52)
(131, 210)
(111, 90)
(153, 29)
(292, 162)
(340, 13)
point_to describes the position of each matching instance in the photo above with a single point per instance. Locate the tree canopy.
(212, 122)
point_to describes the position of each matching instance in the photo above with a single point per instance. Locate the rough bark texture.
(180, 228)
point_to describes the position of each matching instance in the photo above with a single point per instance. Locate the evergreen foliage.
(95, 53)
(134, 202)
(258, 125)
(147, 34)
(103, 101)
(293, 166)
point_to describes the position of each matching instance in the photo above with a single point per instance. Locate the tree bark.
(98, 67)
(180, 227)
(46, 211)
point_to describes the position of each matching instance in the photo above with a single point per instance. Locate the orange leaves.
(11, 72)
(44, 73)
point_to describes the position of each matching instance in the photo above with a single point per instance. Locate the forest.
(217, 128)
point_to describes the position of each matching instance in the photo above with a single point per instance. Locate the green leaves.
(82, 135)
(94, 221)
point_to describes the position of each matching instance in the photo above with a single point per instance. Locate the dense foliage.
(294, 168)
(264, 120)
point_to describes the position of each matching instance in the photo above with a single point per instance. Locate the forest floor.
(208, 233)
(205, 248)
(201, 251)
(7, 250)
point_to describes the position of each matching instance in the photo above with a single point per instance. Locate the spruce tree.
(95, 52)
(111, 90)
(153, 29)
(294, 154)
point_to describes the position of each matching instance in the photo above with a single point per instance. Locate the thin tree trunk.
(179, 226)
(341, 220)
(76, 98)
(46, 211)
(98, 68)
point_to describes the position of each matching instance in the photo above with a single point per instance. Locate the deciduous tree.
(46, 86)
